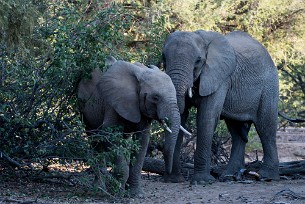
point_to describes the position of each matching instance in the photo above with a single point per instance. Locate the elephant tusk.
(185, 131)
(166, 127)
(190, 92)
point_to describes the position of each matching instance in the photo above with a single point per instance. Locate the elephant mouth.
(165, 123)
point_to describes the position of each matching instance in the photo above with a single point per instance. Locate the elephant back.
(248, 48)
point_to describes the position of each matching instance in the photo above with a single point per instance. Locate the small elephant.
(229, 77)
(130, 96)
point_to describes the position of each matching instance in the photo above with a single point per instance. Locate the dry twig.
(11, 161)
(287, 192)
(10, 200)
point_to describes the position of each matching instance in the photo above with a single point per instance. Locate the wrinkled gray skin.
(131, 95)
(233, 78)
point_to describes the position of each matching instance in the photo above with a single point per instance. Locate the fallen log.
(153, 165)
(286, 168)
(292, 168)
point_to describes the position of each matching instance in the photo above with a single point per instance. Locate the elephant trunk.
(181, 103)
(181, 87)
(173, 120)
(179, 72)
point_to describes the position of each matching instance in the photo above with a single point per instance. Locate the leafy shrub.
(39, 117)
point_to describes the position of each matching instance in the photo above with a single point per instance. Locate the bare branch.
(10, 200)
(11, 161)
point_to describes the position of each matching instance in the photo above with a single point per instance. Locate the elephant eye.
(198, 60)
(156, 98)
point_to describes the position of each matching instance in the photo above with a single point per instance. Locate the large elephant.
(229, 77)
(130, 96)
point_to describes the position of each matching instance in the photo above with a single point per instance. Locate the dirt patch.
(224, 192)
(291, 147)
(284, 191)
(291, 144)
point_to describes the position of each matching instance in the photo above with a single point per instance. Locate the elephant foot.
(136, 192)
(268, 173)
(227, 177)
(202, 179)
(99, 183)
(174, 178)
(232, 175)
(100, 178)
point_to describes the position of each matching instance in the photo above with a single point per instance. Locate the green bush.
(39, 116)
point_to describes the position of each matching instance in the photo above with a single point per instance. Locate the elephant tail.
(294, 120)
(244, 138)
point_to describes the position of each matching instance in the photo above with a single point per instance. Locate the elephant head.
(137, 93)
(203, 55)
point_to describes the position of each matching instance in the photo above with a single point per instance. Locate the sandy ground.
(291, 147)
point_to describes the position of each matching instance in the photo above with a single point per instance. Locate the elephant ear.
(153, 67)
(119, 89)
(220, 62)
(110, 60)
(140, 65)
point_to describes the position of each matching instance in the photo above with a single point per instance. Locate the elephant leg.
(100, 175)
(176, 175)
(134, 179)
(266, 129)
(121, 170)
(239, 132)
(99, 167)
(202, 156)
(208, 114)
